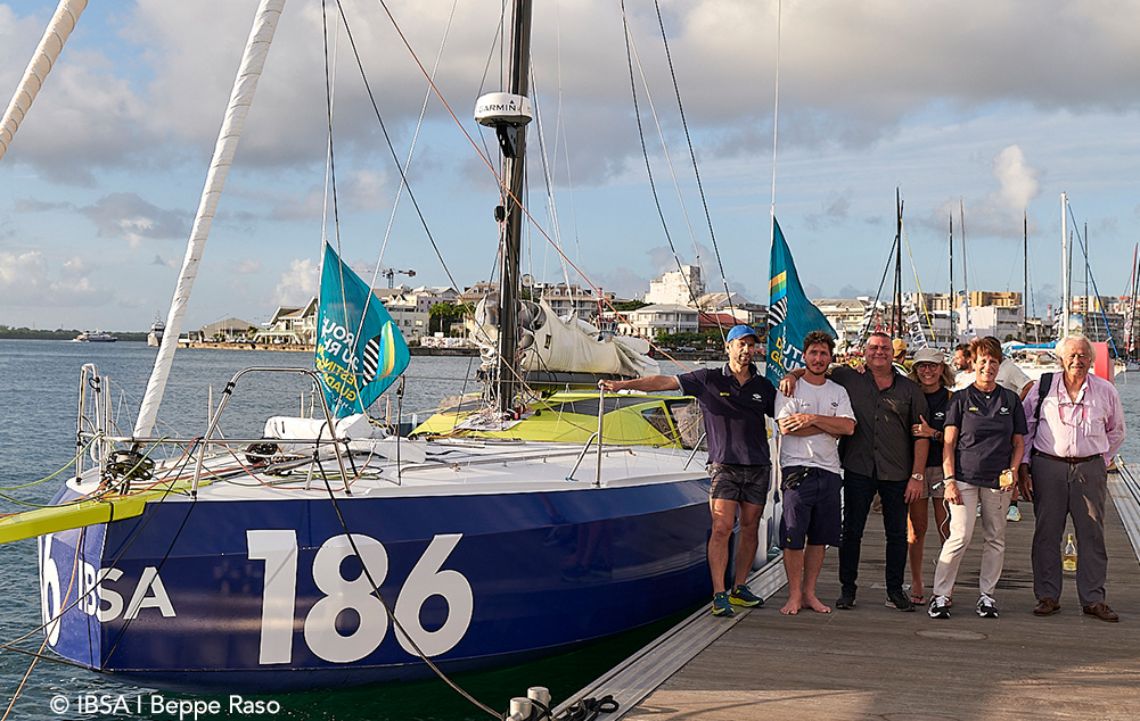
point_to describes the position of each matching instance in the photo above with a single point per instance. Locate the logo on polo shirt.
(973, 409)
(1004, 411)
(940, 414)
(757, 397)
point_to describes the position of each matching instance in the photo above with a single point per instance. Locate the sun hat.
(740, 331)
(928, 355)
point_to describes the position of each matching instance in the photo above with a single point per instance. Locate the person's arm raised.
(645, 383)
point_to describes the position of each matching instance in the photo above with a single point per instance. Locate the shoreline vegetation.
(7, 333)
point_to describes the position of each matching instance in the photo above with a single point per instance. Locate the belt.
(1071, 460)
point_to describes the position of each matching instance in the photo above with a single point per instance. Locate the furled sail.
(359, 349)
(571, 345)
(51, 44)
(241, 97)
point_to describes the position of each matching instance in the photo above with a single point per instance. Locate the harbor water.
(37, 430)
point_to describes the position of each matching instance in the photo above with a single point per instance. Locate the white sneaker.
(987, 606)
(1014, 514)
(939, 607)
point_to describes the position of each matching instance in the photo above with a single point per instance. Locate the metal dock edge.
(639, 675)
(1125, 492)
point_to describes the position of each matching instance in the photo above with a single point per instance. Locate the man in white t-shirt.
(811, 424)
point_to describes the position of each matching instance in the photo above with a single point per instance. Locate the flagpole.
(775, 122)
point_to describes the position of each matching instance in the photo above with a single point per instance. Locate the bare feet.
(792, 607)
(816, 605)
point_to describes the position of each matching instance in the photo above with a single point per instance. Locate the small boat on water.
(154, 337)
(94, 337)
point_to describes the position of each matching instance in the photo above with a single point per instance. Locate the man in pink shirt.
(1070, 443)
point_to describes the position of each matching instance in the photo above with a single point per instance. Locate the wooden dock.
(874, 662)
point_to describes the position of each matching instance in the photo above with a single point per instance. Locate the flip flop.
(918, 599)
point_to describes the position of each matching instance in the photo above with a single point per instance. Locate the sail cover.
(791, 316)
(359, 349)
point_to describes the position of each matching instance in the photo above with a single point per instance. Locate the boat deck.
(874, 662)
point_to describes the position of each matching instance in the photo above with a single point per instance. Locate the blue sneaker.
(721, 606)
(742, 596)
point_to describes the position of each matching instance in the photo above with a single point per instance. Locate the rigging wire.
(412, 145)
(645, 156)
(665, 150)
(488, 163)
(693, 157)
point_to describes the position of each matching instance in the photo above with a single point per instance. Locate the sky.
(983, 110)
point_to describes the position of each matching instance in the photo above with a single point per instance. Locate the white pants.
(995, 504)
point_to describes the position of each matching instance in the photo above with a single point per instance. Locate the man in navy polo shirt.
(734, 400)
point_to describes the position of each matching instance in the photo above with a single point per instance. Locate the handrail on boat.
(227, 393)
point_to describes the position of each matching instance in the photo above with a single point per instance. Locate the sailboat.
(327, 552)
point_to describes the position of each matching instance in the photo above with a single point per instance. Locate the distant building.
(291, 326)
(654, 320)
(846, 316)
(676, 287)
(228, 330)
(572, 299)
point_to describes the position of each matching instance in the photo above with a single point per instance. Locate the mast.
(241, 97)
(43, 60)
(897, 311)
(1066, 292)
(1130, 330)
(952, 334)
(965, 268)
(1025, 276)
(509, 113)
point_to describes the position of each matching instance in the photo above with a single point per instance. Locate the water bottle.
(1069, 557)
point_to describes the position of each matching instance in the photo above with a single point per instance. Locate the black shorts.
(740, 483)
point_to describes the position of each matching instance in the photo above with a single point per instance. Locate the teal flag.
(360, 351)
(791, 315)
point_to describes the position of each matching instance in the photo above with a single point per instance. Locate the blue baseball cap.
(741, 331)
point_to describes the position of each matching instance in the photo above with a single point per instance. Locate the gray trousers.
(1079, 490)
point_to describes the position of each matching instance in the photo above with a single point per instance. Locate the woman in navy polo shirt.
(982, 445)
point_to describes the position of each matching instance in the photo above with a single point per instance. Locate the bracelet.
(951, 479)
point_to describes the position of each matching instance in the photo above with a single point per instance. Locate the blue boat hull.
(270, 594)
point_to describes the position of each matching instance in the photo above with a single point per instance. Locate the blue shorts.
(812, 512)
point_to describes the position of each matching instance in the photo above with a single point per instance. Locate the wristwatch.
(918, 477)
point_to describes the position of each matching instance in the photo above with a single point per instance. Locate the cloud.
(126, 215)
(249, 266)
(298, 284)
(833, 212)
(998, 213)
(27, 281)
(162, 262)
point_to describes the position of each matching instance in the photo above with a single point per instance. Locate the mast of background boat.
(241, 97)
(897, 312)
(965, 269)
(43, 60)
(512, 141)
(1025, 276)
(952, 333)
(1130, 330)
(1066, 292)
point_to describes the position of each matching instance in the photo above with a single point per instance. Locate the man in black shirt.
(881, 457)
(734, 400)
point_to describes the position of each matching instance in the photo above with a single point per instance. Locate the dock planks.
(874, 662)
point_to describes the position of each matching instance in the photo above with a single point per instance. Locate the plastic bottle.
(1069, 557)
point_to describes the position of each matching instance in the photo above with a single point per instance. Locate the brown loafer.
(1047, 607)
(1102, 611)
